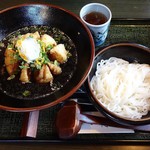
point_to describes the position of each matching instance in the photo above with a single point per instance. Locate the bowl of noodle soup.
(119, 83)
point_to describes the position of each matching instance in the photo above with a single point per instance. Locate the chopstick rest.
(70, 118)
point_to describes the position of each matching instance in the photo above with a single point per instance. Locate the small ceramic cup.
(99, 31)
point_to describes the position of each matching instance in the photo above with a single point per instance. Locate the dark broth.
(14, 87)
(95, 18)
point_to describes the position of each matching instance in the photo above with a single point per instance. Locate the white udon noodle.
(123, 87)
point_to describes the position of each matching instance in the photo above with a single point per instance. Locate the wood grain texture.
(45, 146)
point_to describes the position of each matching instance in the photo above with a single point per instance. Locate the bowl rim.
(99, 106)
(35, 3)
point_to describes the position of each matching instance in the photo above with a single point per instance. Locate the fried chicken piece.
(25, 74)
(11, 62)
(58, 53)
(48, 40)
(44, 75)
(56, 70)
(35, 35)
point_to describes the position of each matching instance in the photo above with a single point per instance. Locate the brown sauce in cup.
(95, 18)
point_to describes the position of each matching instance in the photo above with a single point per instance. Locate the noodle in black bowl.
(119, 83)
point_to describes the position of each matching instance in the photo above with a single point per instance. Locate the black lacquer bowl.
(131, 52)
(42, 96)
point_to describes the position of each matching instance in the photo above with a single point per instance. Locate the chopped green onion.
(10, 46)
(56, 63)
(38, 67)
(32, 65)
(31, 36)
(2, 44)
(69, 54)
(23, 65)
(49, 47)
(17, 56)
(11, 77)
(26, 93)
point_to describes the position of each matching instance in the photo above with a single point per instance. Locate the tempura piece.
(59, 53)
(11, 62)
(56, 70)
(35, 35)
(48, 40)
(25, 74)
(44, 75)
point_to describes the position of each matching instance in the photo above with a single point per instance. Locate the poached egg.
(29, 49)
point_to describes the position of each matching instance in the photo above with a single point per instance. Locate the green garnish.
(2, 44)
(31, 36)
(17, 56)
(23, 65)
(56, 63)
(19, 36)
(42, 45)
(11, 77)
(26, 93)
(69, 54)
(10, 46)
(38, 66)
(45, 58)
(49, 47)
(32, 65)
